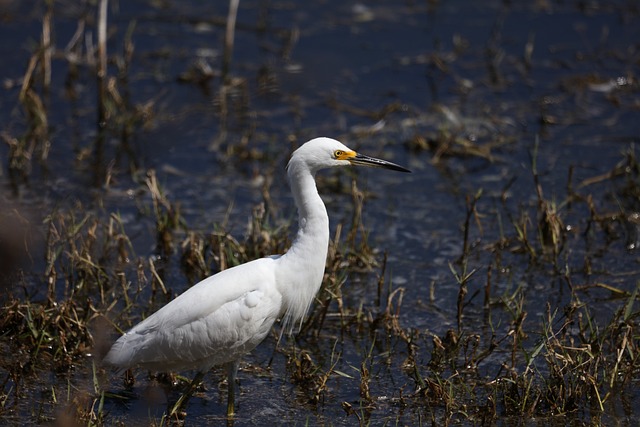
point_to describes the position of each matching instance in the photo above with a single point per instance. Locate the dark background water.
(498, 75)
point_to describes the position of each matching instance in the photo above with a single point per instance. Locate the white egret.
(228, 314)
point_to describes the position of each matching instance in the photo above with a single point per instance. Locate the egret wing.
(215, 321)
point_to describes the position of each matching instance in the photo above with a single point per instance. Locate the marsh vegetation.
(498, 284)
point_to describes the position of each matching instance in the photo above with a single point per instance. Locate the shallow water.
(496, 75)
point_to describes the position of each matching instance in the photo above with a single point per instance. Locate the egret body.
(227, 315)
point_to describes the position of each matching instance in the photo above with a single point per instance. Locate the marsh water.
(479, 99)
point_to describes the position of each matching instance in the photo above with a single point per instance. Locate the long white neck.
(301, 269)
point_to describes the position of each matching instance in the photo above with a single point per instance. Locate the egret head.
(320, 153)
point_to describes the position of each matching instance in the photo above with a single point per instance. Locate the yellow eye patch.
(344, 155)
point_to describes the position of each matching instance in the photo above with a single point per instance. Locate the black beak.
(361, 159)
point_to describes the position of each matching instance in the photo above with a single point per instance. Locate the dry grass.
(568, 362)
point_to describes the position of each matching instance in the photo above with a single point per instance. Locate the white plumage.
(227, 315)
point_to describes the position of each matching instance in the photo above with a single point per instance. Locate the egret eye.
(338, 154)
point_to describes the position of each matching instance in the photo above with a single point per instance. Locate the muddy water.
(488, 79)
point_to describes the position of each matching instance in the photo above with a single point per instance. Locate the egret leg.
(232, 370)
(182, 401)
